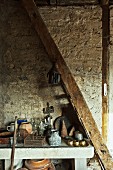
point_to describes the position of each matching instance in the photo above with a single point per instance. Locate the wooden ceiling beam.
(77, 99)
(66, 3)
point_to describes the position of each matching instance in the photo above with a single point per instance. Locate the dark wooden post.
(105, 66)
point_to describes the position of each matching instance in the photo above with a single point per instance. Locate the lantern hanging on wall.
(53, 76)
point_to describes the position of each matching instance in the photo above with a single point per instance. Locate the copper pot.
(43, 164)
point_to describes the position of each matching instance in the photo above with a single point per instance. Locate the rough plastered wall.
(77, 32)
(24, 64)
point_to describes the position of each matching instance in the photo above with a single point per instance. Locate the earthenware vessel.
(54, 139)
(36, 164)
(27, 126)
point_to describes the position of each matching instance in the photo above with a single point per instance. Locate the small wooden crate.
(4, 140)
(34, 140)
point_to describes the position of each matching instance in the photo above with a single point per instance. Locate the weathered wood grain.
(105, 67)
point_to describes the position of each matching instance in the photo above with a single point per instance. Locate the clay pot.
(54, 139)
(26, 126)
(38, 164)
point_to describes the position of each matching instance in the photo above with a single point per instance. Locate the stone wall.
(24, 62)
(24, 65)
(77, 32)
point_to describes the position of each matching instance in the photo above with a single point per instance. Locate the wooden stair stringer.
(77, 98)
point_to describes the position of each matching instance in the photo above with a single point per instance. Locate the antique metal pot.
(44, 164)
(78, 135)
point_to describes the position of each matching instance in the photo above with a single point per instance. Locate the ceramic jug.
(54, 139)
(27, 126)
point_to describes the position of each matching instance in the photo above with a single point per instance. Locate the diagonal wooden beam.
(77, 98)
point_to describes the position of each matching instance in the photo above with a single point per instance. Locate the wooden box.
(34, 141)
(5, 140)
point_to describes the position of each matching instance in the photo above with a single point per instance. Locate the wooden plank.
(77, 98)
(105, 68)
(66, 2)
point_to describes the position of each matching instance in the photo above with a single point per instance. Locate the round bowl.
(70, 142)
(76, 143)
(83, 143)
(37, 164)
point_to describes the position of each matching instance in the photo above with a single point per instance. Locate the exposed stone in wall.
(24, 62)
(77, 33)
(24, 65)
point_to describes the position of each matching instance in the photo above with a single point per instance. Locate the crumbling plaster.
(24, 62)
(78, 35)
(24, 65)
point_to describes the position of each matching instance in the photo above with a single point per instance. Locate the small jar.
(78, 136)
